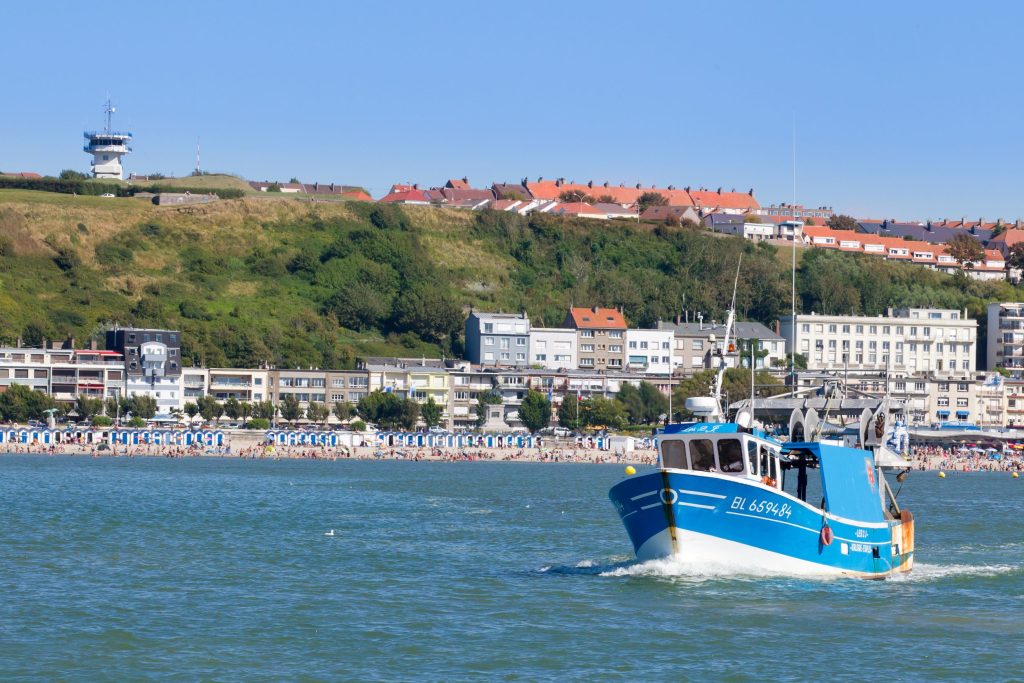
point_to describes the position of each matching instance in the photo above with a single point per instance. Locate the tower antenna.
(108, 109)
(197, 171)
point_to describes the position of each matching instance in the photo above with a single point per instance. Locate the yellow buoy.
(630, 470)
(1014, 475)
(942, 475)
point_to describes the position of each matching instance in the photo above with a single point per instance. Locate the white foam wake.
(936, 572)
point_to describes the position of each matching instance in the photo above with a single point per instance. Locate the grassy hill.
(293, 283)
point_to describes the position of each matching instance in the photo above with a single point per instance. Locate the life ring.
(826, 535)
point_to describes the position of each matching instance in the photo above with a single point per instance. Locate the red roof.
(716, 199)
(357, 195)
(24, 174)
(619, 194)
(457, 184)
(576, 209)
(406, 196)
(1009, 237)
(596, 318)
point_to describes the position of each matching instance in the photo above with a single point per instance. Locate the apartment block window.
(488, 341)
(899, 359)
(885, 329)
(489, 328)
(901, 386)
(541, 357)
(520, 356)
(615, 348)
(961, 403)
(872, 345)
(338, 382)
(337, 397)
(586, 362)
(520, 341)
(461, 395)
(504, 342)
(846, 329)
(697, 344)
(919, 386)
(643, 345)
(832, 344)
(587, 348)
(913, 331)
(961, 387)
(805, 327)
(938, 347)
(587, 334)
(860, 329)
(966, 365)
(942, 402)
(632, 345)
(615, 334)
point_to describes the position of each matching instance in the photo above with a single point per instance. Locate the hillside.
(294, 283)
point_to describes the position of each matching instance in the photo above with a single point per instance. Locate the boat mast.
(730, 319)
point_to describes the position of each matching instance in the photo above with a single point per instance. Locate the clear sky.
(903, 110)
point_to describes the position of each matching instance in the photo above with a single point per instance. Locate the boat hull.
(720, 520)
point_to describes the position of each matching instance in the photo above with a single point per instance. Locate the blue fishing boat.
(727, 494)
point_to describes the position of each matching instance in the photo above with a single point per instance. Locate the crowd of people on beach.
(923, 457)
(258, 451)
(965, 459)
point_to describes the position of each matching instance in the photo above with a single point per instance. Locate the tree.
(70, 174)
(569, 412)
(19, 403)
(289, 408)
(142, 405)
(649, 199)
(429, 312)
(966, 250)
(535, 411)
(1016, 257)
(209, 408)
(317, 412)
(842, 222)
(110, 406)
(88, 407)
(606, 413)
(244, 410)
(191, 409)
(430, 412)
(575, 196)
(232, 408)
(264, 410)
(343, 410)
(484, 399)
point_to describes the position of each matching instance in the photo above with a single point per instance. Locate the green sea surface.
(118, 569)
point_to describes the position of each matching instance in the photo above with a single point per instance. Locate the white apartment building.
(1006, 337)
(650, 351)
(907, 341)
(553, 348)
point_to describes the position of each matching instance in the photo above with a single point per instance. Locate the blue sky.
(903, 110)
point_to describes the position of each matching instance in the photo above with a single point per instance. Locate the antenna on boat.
(730, 319)
(792, 350)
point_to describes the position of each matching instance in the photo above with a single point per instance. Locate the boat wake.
(923, 572)
(703, 570)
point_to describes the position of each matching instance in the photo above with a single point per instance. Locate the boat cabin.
(723, 448)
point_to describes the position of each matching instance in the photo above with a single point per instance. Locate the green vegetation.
(19, 403)
(389, 410)
(535, 411)
(293, 284)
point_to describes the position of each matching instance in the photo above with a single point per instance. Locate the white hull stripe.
(644, 495)
(702, 493)
(652, 505)
(697, 505)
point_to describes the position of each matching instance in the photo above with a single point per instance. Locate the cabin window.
(730, 455)
(673, 454)
(702, 455)
(752, 457)
(769, 467)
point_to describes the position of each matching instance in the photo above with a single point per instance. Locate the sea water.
(225, 569)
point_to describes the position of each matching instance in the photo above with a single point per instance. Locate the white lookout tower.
(107, 148)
